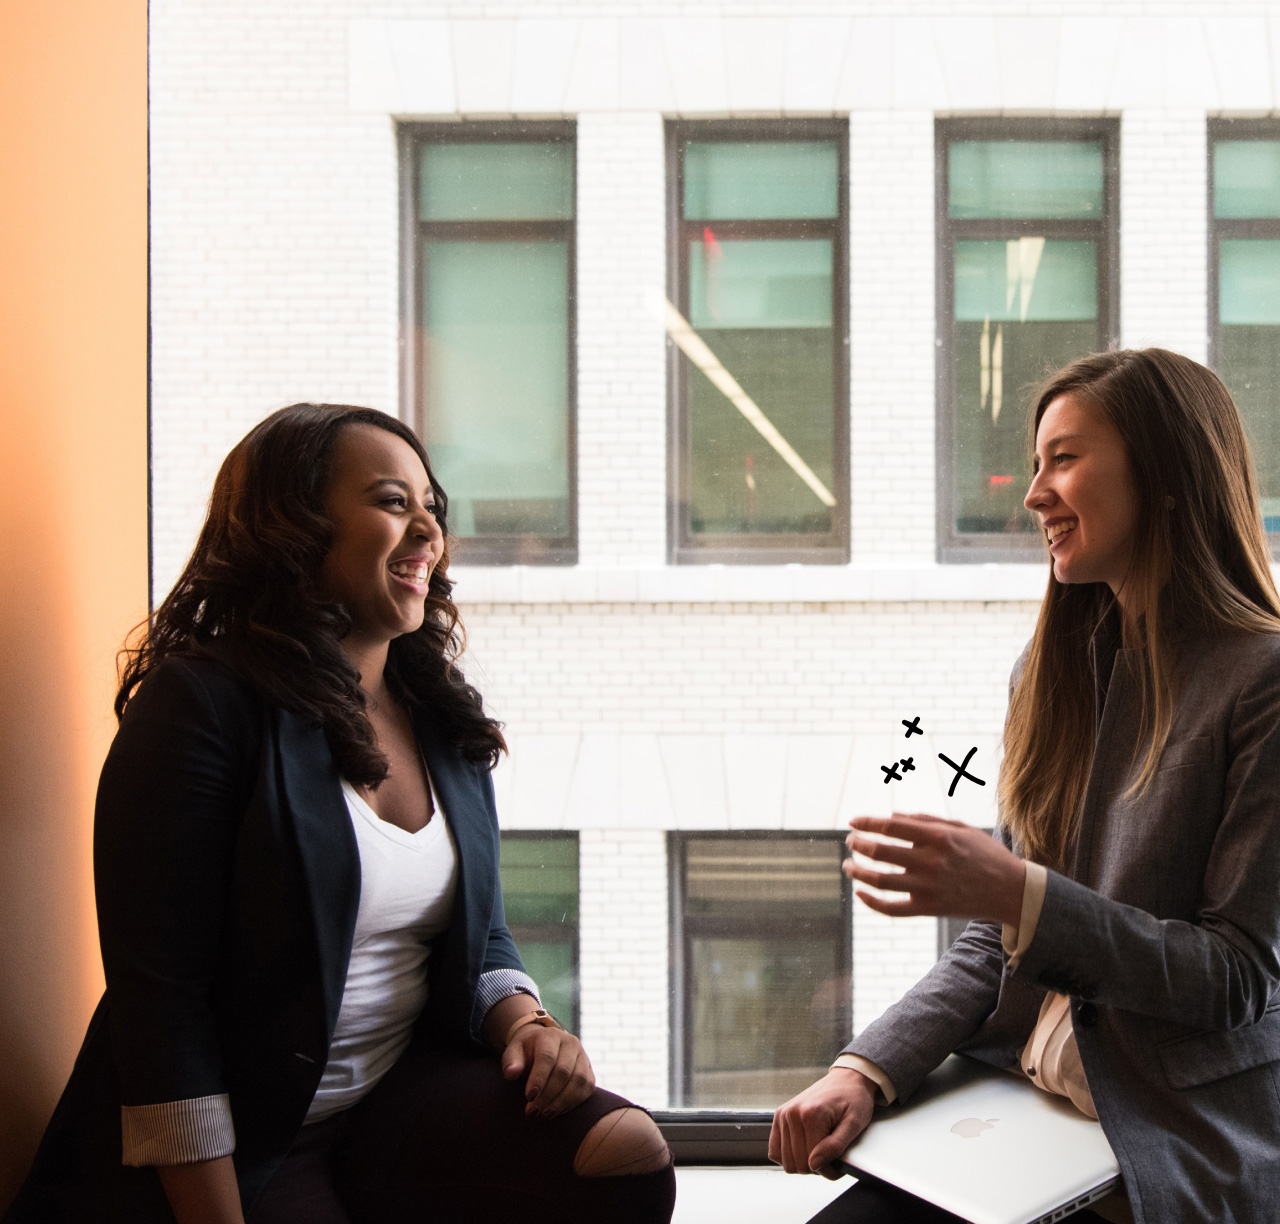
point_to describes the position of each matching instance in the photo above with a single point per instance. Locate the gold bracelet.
(537, 1016)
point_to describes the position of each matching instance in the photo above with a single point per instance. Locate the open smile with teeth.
(1057, 530)
(413, 571)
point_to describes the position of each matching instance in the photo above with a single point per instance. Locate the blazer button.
(1087, 992)
(1087, 1014)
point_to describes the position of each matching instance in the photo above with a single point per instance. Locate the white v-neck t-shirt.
(407, 886)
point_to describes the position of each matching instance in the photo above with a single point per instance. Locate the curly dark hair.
(249, 596)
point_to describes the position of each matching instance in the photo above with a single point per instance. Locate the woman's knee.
(626, 1141)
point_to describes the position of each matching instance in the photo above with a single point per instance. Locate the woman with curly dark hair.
(314, 1009)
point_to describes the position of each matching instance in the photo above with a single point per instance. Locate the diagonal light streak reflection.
(694, 347)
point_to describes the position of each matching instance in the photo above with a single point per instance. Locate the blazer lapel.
(313, 797)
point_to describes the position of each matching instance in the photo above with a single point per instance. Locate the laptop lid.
(989, 1147)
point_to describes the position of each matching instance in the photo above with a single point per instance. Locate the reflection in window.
(494, 271)
(763, 965)
(1025, 242)
(540, 891)
(759, 281)
(1246, 246)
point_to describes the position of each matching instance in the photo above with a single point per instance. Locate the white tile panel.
(1028, 61)
(593, 800)
(483, 57)
(816, 766)
(1189, 77)
(645, 81)
(542, 770)
(864, 791)
(1138, 81)
(1241, 56)
(755, 50)
(696, 58)
(755, 776)
(968, 51)
(593, 76)
(918, 82)
(976, 805)
(694, 766)
(816, 50)
(644, 799)
(866, 81)
(1088, 48)
(1273, 47)
(923, 789)
(540, 70)
(424, 63)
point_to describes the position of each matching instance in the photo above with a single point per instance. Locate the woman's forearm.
(204, 1192)
(502, 1015)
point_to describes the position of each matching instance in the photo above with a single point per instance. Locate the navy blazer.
(228, 879)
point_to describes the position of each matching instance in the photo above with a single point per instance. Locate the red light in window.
(1001, 480)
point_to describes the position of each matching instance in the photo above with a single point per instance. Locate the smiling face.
(1084, 494)
(386, 538)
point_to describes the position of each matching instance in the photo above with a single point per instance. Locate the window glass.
(493, 352)
(1028, 242)
(1246, 340)
(766, 963)
(497, 382)
(1026, 178)
(743, 180)
(540, 891)
(1246, 178)
(761, 269)
(496, 182)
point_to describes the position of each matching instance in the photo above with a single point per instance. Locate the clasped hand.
(560, 1073)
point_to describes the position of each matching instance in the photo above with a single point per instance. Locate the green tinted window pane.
(497, 384)
(518, 181)
(551, 966)
(1025, 178)
(1026, 280)
(746, 180)
(764, 311)
(1249, 364)
(760, 283)
(540, 879)
(1249, 280)
(767, 1016)
(1246, 178)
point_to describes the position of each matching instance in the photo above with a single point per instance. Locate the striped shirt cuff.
(178, 1132)
(499, 984)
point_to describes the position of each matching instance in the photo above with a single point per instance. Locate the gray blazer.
(1165, 932)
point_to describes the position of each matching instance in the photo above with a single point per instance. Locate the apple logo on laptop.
(971, 1128)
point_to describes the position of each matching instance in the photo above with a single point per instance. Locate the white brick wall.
(623, 960)
(758, 695)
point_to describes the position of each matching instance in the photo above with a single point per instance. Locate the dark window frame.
(954, 547)
(683, 548)
(537, 929)
(531, 548)
(1227, 128)
(680, 931)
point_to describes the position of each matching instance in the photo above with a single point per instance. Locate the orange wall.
(73, 512)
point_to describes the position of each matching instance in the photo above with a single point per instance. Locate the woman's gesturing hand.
(812, 1129)
(950, 870)
(560, 1074)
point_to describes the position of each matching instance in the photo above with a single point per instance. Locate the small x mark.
(961, 771)
(890, 773)
(913, 727)
(908, 765)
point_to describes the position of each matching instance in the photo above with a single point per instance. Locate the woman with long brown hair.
(315, 1012)
(1125, 948)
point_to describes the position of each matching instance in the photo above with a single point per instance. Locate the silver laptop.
(989, 1147)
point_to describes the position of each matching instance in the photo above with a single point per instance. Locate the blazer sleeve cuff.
(1016, 940)
(499, 984)
(177, 1132)
(855, 1062)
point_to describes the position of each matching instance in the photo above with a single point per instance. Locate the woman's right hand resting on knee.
(811, 1130)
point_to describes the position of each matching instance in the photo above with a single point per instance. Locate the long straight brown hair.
(1200, 563)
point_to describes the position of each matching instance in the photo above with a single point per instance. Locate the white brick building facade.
(640, 696)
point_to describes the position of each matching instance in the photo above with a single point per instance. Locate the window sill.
(857, 583)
